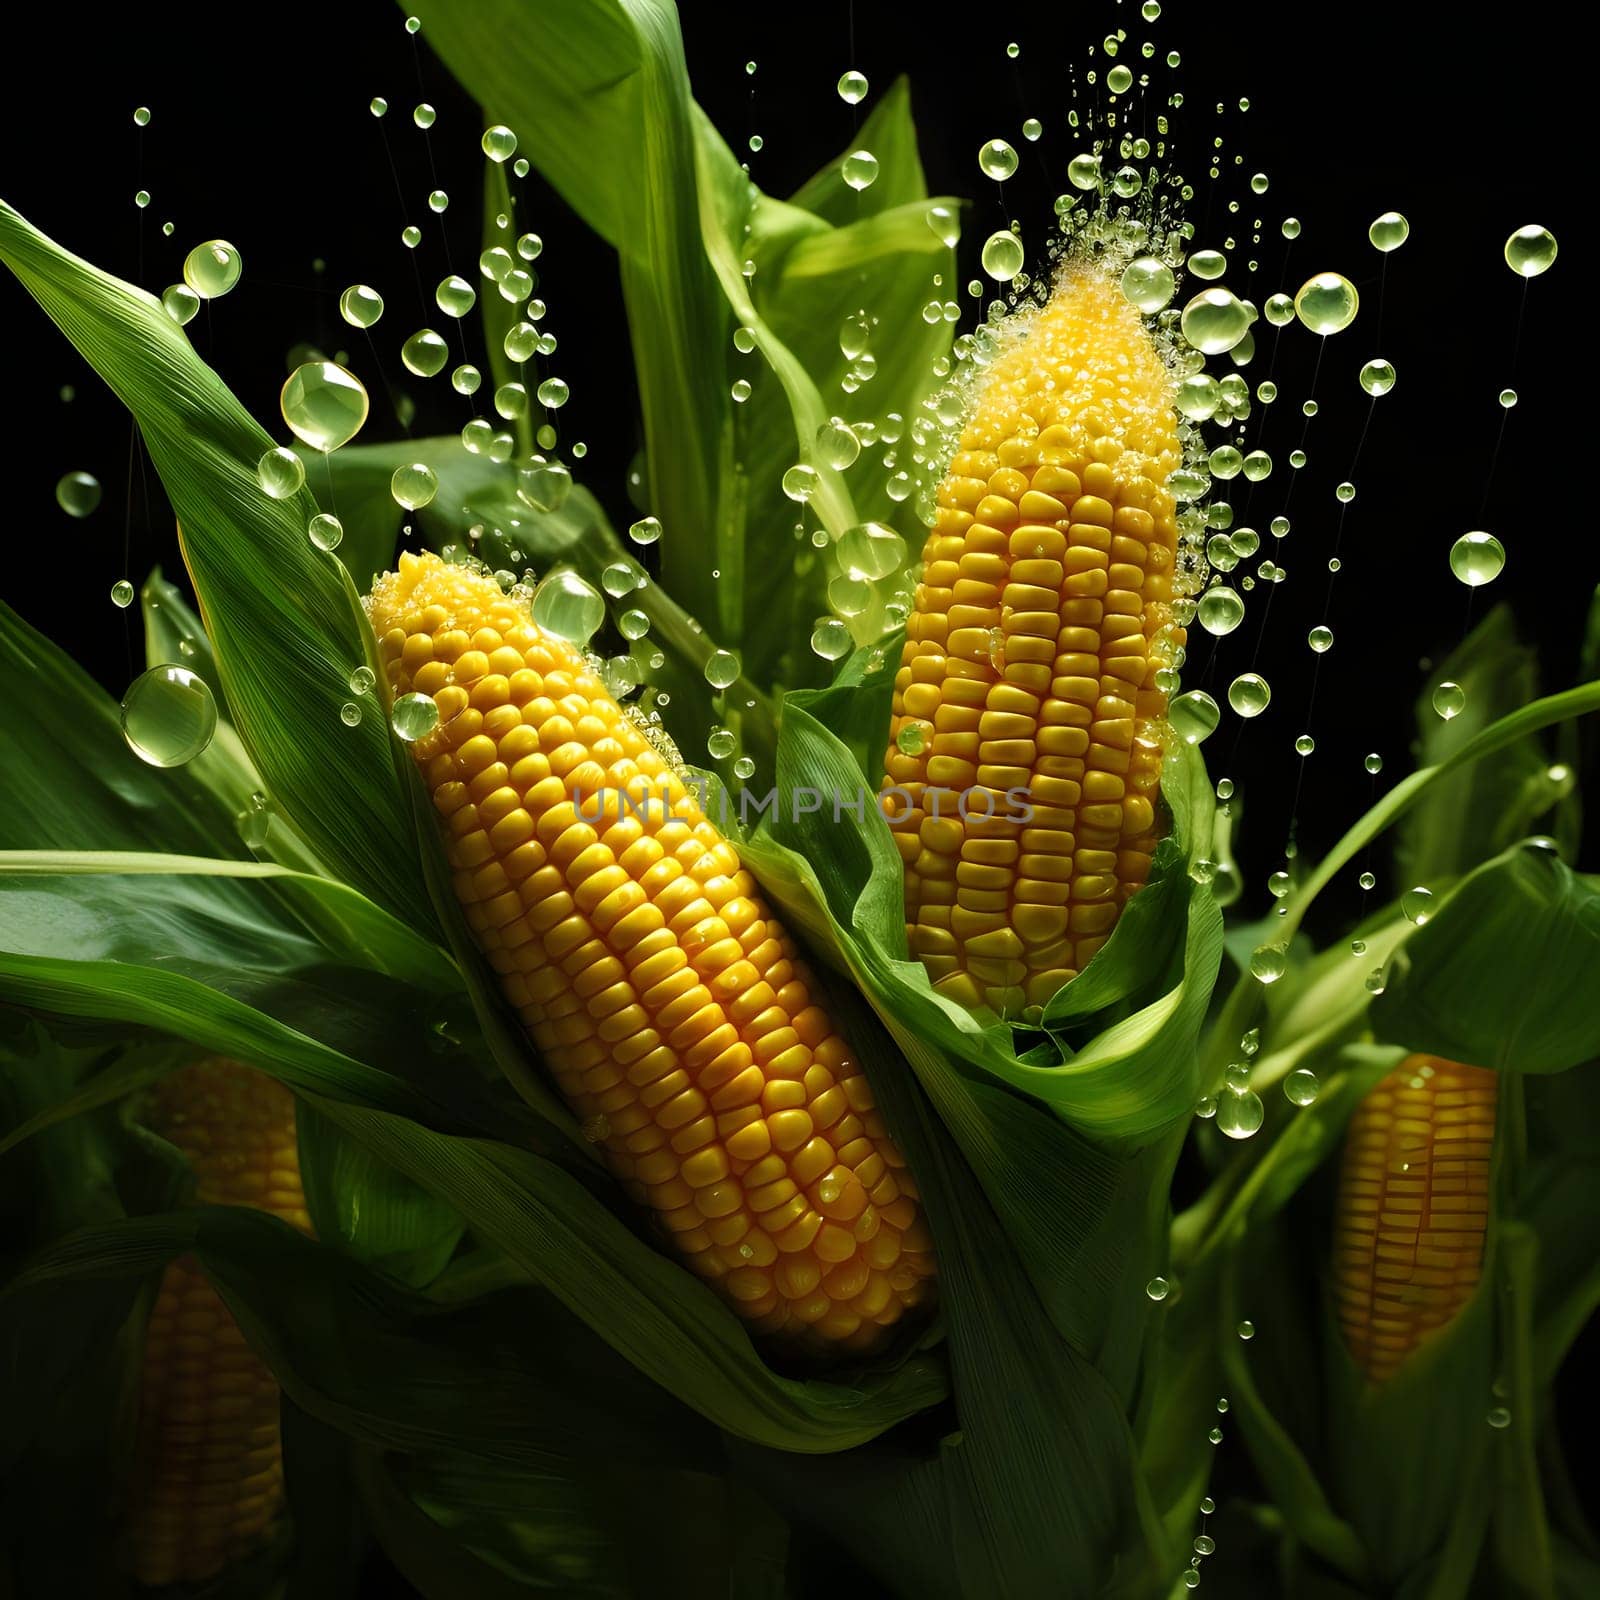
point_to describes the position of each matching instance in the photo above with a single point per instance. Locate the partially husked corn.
(207, 1486)
(665, 999)
(1029, 669)
(1413, 1208)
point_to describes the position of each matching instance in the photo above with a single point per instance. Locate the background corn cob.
(208, 1481)
(666, 1000)
(1413, 1207)
(1029, 660)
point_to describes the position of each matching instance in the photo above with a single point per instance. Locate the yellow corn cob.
(658, 988)
(1413, 1207)
(1029, 663)
(208, 1481)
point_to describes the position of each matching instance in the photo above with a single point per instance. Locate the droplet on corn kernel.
(414, 717)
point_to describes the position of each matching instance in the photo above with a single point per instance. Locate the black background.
(261, 135)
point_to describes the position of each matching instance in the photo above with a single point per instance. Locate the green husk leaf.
(281, 617)
(1500, 974)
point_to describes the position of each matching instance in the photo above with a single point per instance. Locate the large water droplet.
(1194, 716)
(425, 353)
(181, 303)
(360, 306)
(455, 296)
(414, 717)
(1215, 320)
(852, 87)
(1301, 1087)
(553, 393)
(645, 531)
(1002, 255)
(325, 531)
(212, 269)
(946, 224)
(324, 405)
(1327, 303)
(1207, 264)
(1531, 251)
(997, 160)
(1148, 284)
(871, 550)
(1417, 905)
(567, 607)
(78, 493)
(281, 474)
(722, 669)
(859, 169)
(1449, 700)
(413, 485)
(1389, 231)
(1239, 1112)
(1249, 694)
(1477, 559)
(1220, 610)
(168, 716)
(499, 142)
(544, 485)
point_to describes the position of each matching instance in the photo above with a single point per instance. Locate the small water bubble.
(859, 170)
(360, 306)
(1246, 1330)
(212, 269)
(466, 379)
(853, 88)
(722, 669)
(1206, 1106)
(1477, 558)
(142, 199)
(281, 474)
(325, 531)
(553, 393)
(168, 716)
(1158, 1288)
(78, 493)
(740, 390)
(997, 160)
(424, 115)
(499, 143)
(838, 444)
(1320, 639)
(1002, 255)
(1376, 982)
(1301, 1087)
(1531, 251)
(362, 679)
(1032, 129)
(1449, 700)
(1499, 1417)
(350, 714)
(1249, 694)
(1368, 881)
(438, 202)
(122, 594)
(411, 236)
(414, 717)
(1207, 264)
(645, 531)
(1417, 905)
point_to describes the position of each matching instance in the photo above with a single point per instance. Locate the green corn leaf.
(280, 615)
(1500, 974)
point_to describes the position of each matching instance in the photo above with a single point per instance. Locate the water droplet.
(545, 485)
(1206, 1106)
(78, 493)
(553, 393)
(1302, 1087)
(633, 624)
(859, 169)
(1148, 284)
(1194, 716)
(413, 485)
(1477, 559)
(1002, 255)
(122, 594)
(1417, 905)
(853, 88)
(281, 473)
(1377, 377)
(1207, 264)
(871, 550)
(350, 714)
(499, 142)
(1119, 80)
(722, 669)
(1204, 1545)
(142, 199)
(425, 353)
(1220, 610)
(740, 390)
(830, 639)
(410, 236)
(1499, 1417)
(1237, 1076)
(721, 743)
(323, 404)
(1249, 694)
(838, 444)
(212, 269)
(911, 739)
(1449, 699)
(567, 607)
(1032, 129)
(1389, 231)
(645, 531)
(1215, 320)
(455, 296)
(1191, 1576)
(1304, 745)
(168, 716)
(1083, 171)
(1157, 1288)
(1246, 1330)
(1327, 303)
(1267, 963)
(325, 531)
(414, 717)
(424, 115)
(1531, 251)
(141, 117)
(360, 306)
(1239, 1113)
(1208, 1506)
(438, 201)
(180, 302)
(997, 160)
(1320, 639)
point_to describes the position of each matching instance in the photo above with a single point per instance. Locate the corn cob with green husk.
(664, 997)
(1413, 1208)
(1030, 657)
(207, 1487)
